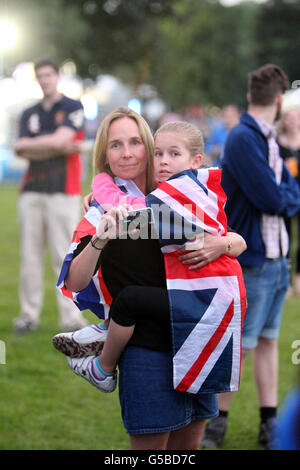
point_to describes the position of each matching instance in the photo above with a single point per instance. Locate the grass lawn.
(45, 406)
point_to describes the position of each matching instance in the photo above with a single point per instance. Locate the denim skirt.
(149, 403)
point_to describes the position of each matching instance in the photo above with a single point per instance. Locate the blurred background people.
(289, 144)
(215, 142)
(287, 435)
(260, 193)
(49, 203)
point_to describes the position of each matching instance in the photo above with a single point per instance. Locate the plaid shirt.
(273, 227)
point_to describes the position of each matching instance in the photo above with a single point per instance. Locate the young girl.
(178, 148)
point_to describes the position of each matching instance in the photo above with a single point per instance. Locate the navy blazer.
(251, 187)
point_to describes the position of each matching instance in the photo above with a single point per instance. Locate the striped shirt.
(273, 227)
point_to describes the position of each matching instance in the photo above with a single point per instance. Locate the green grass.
(43, 405)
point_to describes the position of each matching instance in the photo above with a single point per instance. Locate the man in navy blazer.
(260, 193)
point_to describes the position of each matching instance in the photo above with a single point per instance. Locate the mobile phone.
(142, 217)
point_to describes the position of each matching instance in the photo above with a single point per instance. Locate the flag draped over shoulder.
(95, 296)
(207, 305)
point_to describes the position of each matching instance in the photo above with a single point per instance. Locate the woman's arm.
(232, 245)
(82, 267)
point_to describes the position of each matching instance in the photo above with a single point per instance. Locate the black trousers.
(148, 309)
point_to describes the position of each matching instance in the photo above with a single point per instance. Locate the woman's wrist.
(228, 245)
(97, 243)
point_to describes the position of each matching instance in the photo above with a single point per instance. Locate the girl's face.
(126, 153)
(172, 156)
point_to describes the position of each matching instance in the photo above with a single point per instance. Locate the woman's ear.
(197, 161)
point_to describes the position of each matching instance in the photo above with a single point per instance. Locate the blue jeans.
(266, 287)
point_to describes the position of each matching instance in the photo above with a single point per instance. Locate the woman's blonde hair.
(282, 127)
(99, 152)
(192, 136)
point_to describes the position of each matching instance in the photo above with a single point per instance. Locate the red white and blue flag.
(207, 305)
(95, 296)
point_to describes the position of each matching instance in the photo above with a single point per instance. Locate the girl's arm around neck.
(108, 194)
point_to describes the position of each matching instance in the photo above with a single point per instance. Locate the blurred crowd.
(215, 124)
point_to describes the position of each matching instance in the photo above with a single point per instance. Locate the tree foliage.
(191, 51)
(277, 29)
(46, 29)
(206, 54)
(98, 35)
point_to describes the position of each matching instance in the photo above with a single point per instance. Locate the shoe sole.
(68, 347)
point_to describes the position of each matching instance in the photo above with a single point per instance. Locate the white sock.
(97, 370)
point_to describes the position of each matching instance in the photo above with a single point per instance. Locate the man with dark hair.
(260, 193)
(49, 204)
(46, 62)
(266, 83)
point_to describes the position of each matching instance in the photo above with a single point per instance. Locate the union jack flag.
(207, 305)
(95, 296)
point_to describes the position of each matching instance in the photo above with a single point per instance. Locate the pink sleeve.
(108, 195)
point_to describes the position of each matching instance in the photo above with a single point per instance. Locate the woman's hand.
(86, 202)
(109, 226)
(83, 266)
(213, 247)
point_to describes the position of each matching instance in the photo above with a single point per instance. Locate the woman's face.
(126, 153)
(291, 119)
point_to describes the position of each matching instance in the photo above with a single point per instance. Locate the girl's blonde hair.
(192, 136)
(99, 152)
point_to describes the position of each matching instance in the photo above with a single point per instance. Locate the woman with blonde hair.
(100, 163)
(155, 415)
(289, 146)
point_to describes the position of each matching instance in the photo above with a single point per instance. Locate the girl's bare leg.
(117, 339)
